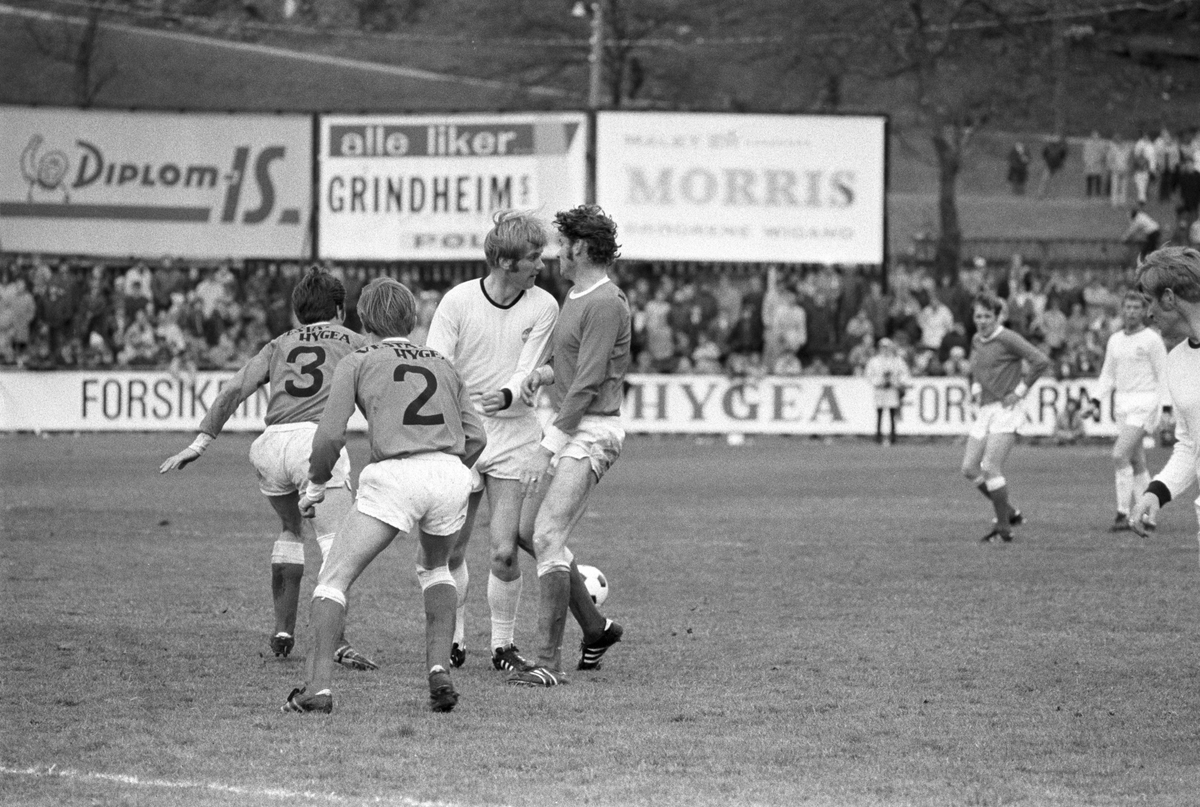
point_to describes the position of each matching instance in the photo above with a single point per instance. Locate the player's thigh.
(332, 512)
(1128, 442)
(285, 506)
(505, 498)
(996, 451)
(565, 500)
(359, 542)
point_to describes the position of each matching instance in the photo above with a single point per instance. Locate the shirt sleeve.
(1180, 471)
(243, 384)
(1108, 378)
(535, 352)
(600, 329)
(1158, 363)
(443, 332)
(1038, 361)
(330, 436)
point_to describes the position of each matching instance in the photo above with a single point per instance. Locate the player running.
(424, 437)
(586, 375)
(1170, 277)
(494, 331)
(297, 365)
(1135, 365)
(999, 382)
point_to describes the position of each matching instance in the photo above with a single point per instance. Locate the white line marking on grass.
(215, 787)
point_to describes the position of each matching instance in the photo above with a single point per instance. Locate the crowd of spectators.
(738, 320)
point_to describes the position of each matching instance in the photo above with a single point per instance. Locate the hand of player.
(490, 402)
(530, 386)
(180, 460)
(1145, 511)
(313, 495)
(533, 474)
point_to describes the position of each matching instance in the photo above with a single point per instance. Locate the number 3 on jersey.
(412, 414)
(310, 368)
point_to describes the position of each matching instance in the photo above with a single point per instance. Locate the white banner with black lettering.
(197, 185)
(700, 404)
(426, 187)
(728, 187)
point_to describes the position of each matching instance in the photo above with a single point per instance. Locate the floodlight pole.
(596, 55)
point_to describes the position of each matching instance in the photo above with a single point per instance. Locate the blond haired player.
(298, 366)
(495, 331)
(1170, 277)
(424, 437)
(1135, 366)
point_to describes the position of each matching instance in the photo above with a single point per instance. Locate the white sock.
(461, 580)
(503, 598)
(1141, 481)
(1124, 482)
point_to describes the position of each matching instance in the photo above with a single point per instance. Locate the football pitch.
(805, 623)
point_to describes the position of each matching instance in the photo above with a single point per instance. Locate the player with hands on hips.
(1170, 279)
(297, 366)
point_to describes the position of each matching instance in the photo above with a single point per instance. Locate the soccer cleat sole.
(348, 657)
(537, 677)
(590, 653)
(322, 703)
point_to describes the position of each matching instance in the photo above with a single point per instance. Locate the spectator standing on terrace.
(1118, 160)
(785, 323)
(660, 340)
(936, 319)
(1143, 167)
(1054, 155)
(17, 310)
(1094, 149)
(97, 313)
(1188, 183)
(889, 375)
(1018, 167)
(1166, 157)
(56, 310)
(1143, 230)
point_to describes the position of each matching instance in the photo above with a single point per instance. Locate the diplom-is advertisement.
(149, 184)
(426, 187)
(729, 187)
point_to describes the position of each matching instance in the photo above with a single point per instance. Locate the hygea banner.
(426, 188)
(151, 184)
(726, 187)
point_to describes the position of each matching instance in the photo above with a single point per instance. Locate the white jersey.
(1135, 365)
(1183, 368)
(493, 346)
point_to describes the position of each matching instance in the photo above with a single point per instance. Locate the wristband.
(508, 398)
(1160, 490)
(1166, 409)
(314, 492)
(555, 439)
(201, 442)
(1021, 389)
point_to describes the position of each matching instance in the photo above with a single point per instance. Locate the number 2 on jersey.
(309, 368)
(412, 414)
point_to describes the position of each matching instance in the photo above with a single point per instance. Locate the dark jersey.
(414, 401)
(299, 367)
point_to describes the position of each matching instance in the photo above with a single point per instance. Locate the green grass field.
(806, 623)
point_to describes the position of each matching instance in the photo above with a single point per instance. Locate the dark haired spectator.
(1054, 155)
(96, 319)
(1018, 167)
(56, 308)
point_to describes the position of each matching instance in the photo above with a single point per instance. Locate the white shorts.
(280, 455)
(994, 418)
(426, 490)
(1140, 410)
(598, 440)
(510, 444)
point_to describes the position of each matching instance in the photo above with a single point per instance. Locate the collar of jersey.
(995, 333)
(575, 296)
(489, 298)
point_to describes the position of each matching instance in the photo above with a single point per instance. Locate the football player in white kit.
(1170, 277)
(1135, 368)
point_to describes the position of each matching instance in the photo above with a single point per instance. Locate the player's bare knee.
(971, 470)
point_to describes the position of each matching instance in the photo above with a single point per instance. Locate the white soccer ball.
(596, 582)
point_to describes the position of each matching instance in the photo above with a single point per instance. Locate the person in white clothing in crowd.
(1135, 370)
(1170, 278)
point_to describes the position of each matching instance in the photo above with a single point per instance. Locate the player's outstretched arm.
(190, 454)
